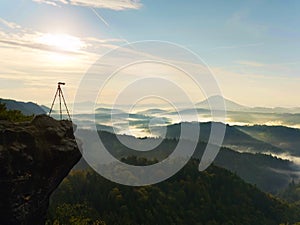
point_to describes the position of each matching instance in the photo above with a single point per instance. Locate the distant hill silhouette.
(45, 108)
(268, 173)
(284, 137)
(27, 108)
(230, 105)
(234, 138)
(233, 106)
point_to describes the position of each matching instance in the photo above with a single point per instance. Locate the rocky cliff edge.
(34, 158)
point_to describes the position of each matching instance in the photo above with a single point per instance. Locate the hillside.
(291, 193)
(268, 173)
(26, 108)
(215, 196)
(234, 138)
(285, 137)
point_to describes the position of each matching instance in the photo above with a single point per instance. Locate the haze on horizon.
(252, 47)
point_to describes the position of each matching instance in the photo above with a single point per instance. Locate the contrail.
(99, 16)
(107, 24)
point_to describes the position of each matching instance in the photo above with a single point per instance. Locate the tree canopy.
(12, 115)
(215, 196)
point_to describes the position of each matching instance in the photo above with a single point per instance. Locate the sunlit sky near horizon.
(252, 47)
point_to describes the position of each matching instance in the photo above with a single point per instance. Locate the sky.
(252, 48)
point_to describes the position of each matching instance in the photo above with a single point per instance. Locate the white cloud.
(107, 4)
(10, 25)
(29, 66)
(29, 40)
(46, 2)
(21, 37)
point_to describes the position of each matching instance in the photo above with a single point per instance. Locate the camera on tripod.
(61, 97)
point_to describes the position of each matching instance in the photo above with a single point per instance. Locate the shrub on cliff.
(12, 115)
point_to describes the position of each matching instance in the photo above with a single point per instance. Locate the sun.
(63, 42)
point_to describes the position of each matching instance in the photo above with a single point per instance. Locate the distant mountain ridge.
(284, 137)
(45, 108)
(268, 173)
(229, 105)
(234, 138)
(27, 108)
(233, 106)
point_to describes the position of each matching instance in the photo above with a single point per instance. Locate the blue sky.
(252, 47)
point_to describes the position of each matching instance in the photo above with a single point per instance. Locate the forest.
(215, 196)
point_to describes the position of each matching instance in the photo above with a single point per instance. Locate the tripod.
(60, 96)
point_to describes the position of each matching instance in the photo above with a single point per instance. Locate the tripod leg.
(59, 94)
(53, 102)
(65, 105)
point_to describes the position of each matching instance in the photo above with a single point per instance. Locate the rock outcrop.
(34, 158)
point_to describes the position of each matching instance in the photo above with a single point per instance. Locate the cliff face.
(34, 158)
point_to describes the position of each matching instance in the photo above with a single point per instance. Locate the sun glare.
(62, 42)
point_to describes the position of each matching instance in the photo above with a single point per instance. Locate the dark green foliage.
(262, 170)
(13, 115)
(214, 196)
(75, 214)
(292, 193)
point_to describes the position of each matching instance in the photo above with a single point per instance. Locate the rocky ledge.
(34, 158)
